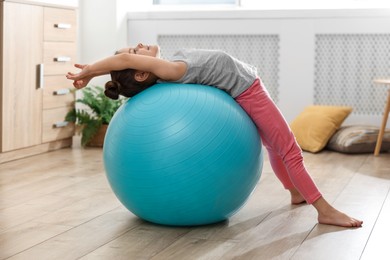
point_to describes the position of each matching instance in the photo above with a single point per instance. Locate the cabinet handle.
(60, 124)
(64, 26)
(62, 91)
(62, 59)
(40, 74)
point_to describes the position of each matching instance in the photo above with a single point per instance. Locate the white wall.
(106, 25)
(296, 28)
(103, 29)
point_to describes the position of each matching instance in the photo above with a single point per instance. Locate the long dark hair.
(123, 83)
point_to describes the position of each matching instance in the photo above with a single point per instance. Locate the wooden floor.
(59, 206)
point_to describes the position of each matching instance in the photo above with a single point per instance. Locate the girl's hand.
(81, 79)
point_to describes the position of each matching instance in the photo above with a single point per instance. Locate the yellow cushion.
(316, 124)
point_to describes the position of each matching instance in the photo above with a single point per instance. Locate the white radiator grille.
(345, 66)
(261, 51)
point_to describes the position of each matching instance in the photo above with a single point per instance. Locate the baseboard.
(34, 150)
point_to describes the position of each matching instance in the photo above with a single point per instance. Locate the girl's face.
(141, 49)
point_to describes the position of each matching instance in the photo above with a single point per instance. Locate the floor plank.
(83, 239)
(59, 205)
(142, 242)
(328, 242)
(378, 246)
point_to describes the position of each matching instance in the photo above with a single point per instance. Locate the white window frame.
(197, 2)
(279, 4)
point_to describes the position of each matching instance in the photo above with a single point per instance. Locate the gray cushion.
(358, 139)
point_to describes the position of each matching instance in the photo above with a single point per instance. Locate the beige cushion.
(316, 124)
(358, 139)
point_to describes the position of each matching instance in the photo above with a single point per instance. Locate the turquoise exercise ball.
(182, 155)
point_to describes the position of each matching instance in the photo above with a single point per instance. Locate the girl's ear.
(141, 76)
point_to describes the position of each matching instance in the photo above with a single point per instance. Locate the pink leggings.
(284, 153)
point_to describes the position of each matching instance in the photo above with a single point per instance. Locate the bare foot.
(331, 216)
(296, 197)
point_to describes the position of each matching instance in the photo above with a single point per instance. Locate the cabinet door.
(21, 96)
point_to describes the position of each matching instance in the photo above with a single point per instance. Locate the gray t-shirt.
(216, 68)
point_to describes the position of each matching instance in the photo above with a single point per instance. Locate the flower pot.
(98, 138)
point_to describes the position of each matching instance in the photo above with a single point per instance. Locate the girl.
(135, 69)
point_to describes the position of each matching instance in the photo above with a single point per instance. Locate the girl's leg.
(284, 153)
(286, 156)
(282, 174)
(280, 171)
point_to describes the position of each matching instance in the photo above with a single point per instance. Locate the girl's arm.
(81, 82)
(163, 69)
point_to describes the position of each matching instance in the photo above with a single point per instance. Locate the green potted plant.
(92, 121)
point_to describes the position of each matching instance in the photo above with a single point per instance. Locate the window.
(195, 2)
(310, 4)
(282, 4)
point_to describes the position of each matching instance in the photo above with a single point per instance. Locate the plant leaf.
(100, 111)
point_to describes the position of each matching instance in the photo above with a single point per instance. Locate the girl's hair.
(123, 83)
